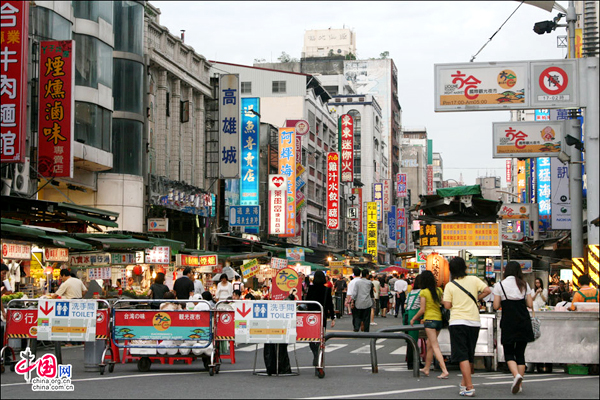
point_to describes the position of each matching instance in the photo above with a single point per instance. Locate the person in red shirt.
(328, 282)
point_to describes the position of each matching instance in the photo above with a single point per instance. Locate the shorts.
(383, 301)
(463, 340)
(433, 324)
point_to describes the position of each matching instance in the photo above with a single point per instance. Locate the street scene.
(272, 199)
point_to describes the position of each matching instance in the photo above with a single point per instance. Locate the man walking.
(340, 287)
(400, 288)
(361, 296)
(391, 284)
(184, 286)
(355, 278)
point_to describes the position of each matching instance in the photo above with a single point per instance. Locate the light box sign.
(387, 186)
(277, 203)
(56, 104)
(372, 229)
(347, 164)
(333, 194)
(244, 215)
(229, 124)
(392, 225)
(13, 96)
(16, 251)
(543, 192)
(158, 255)
(187, 260)
(402, 192)
(508, 171)
(287, 168)
(250, 151)
(561, 202)
(378, 198)
(56, 254)
(401, 229)
(358, 193)
(528, 139)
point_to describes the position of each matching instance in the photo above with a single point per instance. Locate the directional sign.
(67, 320)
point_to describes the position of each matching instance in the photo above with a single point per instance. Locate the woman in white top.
(513, 294)
(224, 289)
(540, 295)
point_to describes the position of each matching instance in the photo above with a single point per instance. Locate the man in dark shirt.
(184, 286)
(340, 287)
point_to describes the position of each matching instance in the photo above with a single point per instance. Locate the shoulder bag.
(445, 313)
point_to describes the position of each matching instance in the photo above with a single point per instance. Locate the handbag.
(445, 316)
(536, 325)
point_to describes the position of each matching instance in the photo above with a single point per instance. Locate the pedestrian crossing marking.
(365, 349)
(252, 347)
(333, 347)
(399, 351)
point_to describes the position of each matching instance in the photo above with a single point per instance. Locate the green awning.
(115, 241)
(175, 245)
(85, 209)
(11, 221)
(41, 235)
(22, 230)
(94, 220)
(68, 242)
(459, 191)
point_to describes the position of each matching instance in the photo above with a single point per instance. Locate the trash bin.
(92, 355)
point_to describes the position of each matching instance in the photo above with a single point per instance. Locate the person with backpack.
(237, 284)
(586, 293)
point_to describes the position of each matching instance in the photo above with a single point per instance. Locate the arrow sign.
(243, 312)
(46, 310)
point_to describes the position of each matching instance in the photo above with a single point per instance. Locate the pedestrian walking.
(376, 290)
(392, 283)
(355, 278)
(361, 297)
(184, 285)
(400, 288)
(340, 287)
(430, 296)
(413, 305)
(384, 296)
(513, 294)
(158, 289)
(461, 297)
(322, 294)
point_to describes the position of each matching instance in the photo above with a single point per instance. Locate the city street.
(347, 363)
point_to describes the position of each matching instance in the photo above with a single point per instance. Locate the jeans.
(361, 315)
(400, 299)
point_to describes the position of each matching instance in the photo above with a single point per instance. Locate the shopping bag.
(535, 325)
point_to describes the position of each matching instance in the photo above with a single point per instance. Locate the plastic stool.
(231, 355)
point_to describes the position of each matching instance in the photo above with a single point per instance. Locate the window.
(49, 25)
(312, 136)
(246, 87)
(127, 147)
(128, 92)
(93, 125)
(93, 62)
(129, 27)
(92, 10)
(279, 86)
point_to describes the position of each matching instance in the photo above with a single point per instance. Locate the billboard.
(13, 120)
(528, 139)
(250, 151)
(56, 104)
(229, 126)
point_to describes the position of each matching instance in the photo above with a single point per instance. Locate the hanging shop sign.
(158, 224)
(378, 198)
(126, 258)
(508, 171)
(86, 260)
(347, 148)
(15, 250)
(250, 148)
(358, 193)
(468, 236)
(13, 96)
(250, 268)
(387, 192)
(430, 190)
(561, 201)
(277, 204)
(519, 211)
(372, 229)
(302, 126)
(544, 191)
(158, 255)
(187, 260)
(333, 194)
(99, 273)
(278, 263)
(244, 215)
(229, 126)
(295, 254)
(210, 260)
(401, 229)
(528, 139)
(55, 254)
(392, 226)
(402, 192)
(287, 168)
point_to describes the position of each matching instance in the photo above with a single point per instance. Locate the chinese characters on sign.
(67, 320)
(16, 251)
(528, 139)
(333, 196)
(158, 255)
(347, 147)
(378, 198)
(55, 254)
(372, 229)
(91, 259)
(244, 215)
(56, 117)
(401, 229)
(430, 180)
(402, 185)
(229, 132)
(13, 71)
(277, 204)
(508, 171)
(459, 235)
(544, 192)
(287, 167)
(387, 187)
(250, 147)
(358, 193)
(561, 202)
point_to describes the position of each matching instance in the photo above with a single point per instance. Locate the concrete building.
(438, 171)
(490, 186)
(328, 42)
(414, 162)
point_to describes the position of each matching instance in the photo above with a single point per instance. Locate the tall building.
(414, 161)
(329, 42)
(438, 171)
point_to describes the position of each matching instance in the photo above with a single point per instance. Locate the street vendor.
(586, 294)
(71, 287)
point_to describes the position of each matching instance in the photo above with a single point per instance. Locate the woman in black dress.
(322, 294)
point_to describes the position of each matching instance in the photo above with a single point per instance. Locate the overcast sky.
(417, 36)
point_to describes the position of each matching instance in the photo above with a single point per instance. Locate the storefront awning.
(175, 245)
(42, 235)
(115, 242)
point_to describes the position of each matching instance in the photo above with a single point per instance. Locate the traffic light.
(544, 27)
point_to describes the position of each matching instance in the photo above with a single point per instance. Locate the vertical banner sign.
(333, 194)
(387, 186)
(430, 179)
(250, 147)
(561, 202)
(358, 193)
(532, 180)
(229, 123)
(402, 185)
(508, 171)
(56, 104)
(401, 226)
(372, 229)
(521, 188)
(392, 225)
(347, 165)
(13, 53)
(277, 204)
(287, 167)
(544, 192)
(299, 184)
(378, 198)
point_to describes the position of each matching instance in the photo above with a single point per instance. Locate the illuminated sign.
(333, 195)
(378, 198)
(277, 203)
(250, 151)
(347, 149)
(543, 192)
(229, 126)
(287, 167)
(372, 229)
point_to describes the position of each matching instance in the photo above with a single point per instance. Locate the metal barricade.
(22, 323)
(163, 332)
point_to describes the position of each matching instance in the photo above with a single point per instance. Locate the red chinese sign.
(333, 195)
(13, 93)
(347, 147)
(508, 170)
(56, 102)
(208, 261)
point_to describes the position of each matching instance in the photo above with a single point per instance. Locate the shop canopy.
(14, 229)
(114, 241)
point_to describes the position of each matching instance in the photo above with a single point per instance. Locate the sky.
(417, 35)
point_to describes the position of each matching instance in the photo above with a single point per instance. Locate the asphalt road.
(347, 369)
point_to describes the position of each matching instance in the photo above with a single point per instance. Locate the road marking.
(298, 346)
(252, 347)
(333, 347)
(399, 351)
(365, 349)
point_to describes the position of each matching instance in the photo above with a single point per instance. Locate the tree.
(284, 57)
(259, 60)
(331, 53)
(384, 55)
(350, 56)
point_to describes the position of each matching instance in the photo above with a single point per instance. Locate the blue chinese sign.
(249, 151)
(229, 122)
(244, 215)
(543, 192)
(392, 224)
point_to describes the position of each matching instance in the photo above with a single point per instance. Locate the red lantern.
(440, 268)
(137, 270)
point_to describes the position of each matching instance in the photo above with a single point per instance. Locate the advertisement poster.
(161, 325)
(528, 139)
(284, 283)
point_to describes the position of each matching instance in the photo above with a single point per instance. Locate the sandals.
(423, 372)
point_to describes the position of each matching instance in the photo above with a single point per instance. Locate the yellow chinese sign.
(372, 229)
(459, 235)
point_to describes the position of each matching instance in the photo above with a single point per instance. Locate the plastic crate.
(576, 369)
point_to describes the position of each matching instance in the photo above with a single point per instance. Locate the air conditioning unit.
(21, 181)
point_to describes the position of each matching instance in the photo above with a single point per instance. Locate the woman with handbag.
(320, 293)
(513, 294)
(413, 305)
(431, 296)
